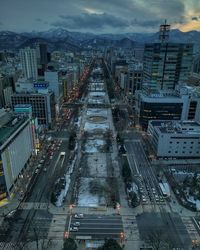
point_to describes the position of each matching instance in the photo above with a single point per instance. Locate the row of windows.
(183, 152)
(185, 142)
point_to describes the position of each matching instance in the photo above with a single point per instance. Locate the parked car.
(11, 214)
(78, 216)
(73, 229)
(77, 224)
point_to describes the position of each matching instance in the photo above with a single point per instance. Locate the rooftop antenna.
(164, 32)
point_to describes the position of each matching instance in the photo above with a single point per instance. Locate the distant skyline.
(99, 16)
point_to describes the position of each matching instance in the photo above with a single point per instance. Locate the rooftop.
(177, 127)
(7, 130)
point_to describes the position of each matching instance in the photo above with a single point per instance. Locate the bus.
(165, 189)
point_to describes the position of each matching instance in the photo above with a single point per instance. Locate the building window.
(176, 152)
(170, 142)
(169, 152)
(183, 152)
(192, 142)
(185, 142)
(177, 142)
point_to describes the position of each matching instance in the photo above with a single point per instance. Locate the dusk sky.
(99, 16)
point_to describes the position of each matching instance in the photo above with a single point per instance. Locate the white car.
(45, 169)
(77, 224)
(51, 157)
(11, 214)
(36, 171)
(73, 229)
(78, 216)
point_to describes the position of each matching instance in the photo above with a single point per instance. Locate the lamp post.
(121, 236)
(71, 206)
(118, 208)
(66, 235)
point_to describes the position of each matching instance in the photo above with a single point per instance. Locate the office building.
(6, 90)
(28, 58)
(175, 139)
(180, 104)
(16, 147)
(43, 106)
(134, 78)
(166, 64)
(43, 53)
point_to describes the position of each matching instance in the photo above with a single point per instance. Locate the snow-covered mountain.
(65, 39)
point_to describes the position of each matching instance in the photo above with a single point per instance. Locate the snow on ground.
(63, 192)
(96, 100)
(85, 198)
(97, 165)
(97, 112)
(93, 145)
(94, 127)
(197, 202)
(96, 93)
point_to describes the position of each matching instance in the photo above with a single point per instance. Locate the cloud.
(91, 21)
(38, 19)
(98, 15)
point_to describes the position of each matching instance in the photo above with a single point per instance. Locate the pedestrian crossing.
(34, 205)
(57, 227)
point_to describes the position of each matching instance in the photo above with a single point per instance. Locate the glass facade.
(159, 111)
(3, 188)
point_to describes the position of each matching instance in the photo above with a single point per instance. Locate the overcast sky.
(99, 16)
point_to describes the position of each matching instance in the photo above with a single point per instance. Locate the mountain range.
(61, 39)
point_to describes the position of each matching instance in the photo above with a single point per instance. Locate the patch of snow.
(93, 126)
(97, 165)
(92, 146)
(85, 198)
(63, 192)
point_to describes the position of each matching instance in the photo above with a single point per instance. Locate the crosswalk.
(194, 236)
(34, 205)
(57, 227)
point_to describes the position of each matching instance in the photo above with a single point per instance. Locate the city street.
(97, 227)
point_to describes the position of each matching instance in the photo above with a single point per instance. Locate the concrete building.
(6, 90)
(28, 58)
(135, 77)
(166, 64)
(52, 77)
(43, 53)
(16, 147)
(43, 106)
(175, 138)
(183, 103)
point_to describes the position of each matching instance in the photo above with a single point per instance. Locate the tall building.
(166, 64)
(16, 147)
(43, 106)
(28, 57)
(180, 104)
(43, 53)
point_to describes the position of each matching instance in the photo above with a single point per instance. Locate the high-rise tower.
(28, 59)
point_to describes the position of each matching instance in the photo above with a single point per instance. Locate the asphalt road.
(97, 226)
(142, 170)
(28, 221)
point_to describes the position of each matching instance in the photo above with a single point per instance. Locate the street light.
(118, 208)
(121, 236)
(66, 235)
(71, 206)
